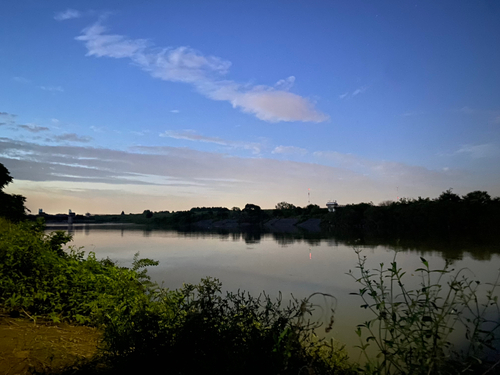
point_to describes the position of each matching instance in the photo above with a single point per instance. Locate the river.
(293, 264)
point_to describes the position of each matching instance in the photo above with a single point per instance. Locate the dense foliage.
(230, 334)
(145, 326)
(38, 278)
(449, 214)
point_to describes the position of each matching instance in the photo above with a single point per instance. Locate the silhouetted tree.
(285, 206)
(5, 177)
(477, 197)
(11, 205)
(252, 209)
(449, 196)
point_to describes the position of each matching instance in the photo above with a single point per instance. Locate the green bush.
(411, 328)
(195, 329)
(37, 277)
(235, 333)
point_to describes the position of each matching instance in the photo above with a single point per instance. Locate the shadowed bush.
(411, 328)
(195, 329)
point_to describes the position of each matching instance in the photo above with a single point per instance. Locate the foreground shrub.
(411, 329)
(38, 278)
(230, 334)
(195, 329)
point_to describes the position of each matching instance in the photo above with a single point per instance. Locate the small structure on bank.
(71, 215)
(332, 205)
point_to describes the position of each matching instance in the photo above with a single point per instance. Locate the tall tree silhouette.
(11, 205)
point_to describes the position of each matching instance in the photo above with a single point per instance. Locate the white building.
(332, 205)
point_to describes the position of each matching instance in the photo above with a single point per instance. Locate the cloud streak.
(33, 128)
(187, 178)
(358, 91)
(191, 135)
(289, 150)
(205, 73)
(68, 14)
(69, 137)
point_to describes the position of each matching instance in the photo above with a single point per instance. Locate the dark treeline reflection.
(451, 247)
(447, 246)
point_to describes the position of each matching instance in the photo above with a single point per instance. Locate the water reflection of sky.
(268, 262)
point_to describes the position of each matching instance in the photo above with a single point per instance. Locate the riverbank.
(28, 346)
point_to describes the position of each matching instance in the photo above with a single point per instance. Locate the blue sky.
(130, 105)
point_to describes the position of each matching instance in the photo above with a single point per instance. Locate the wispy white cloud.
(348, 95)
(359, 91)
(33, 128)
(181, 64)
(174, 111)
(268, 104)
(205, 73)
(191, 135)
(285, 84)
(67, 15)
(289, 150)
(118, 46)
(486, 150)
(52, 88)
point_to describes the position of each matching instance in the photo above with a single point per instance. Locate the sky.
(110, 106)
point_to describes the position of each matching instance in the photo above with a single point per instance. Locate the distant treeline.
(251, 214)
(475, 213)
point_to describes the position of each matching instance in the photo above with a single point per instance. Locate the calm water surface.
(298, 264)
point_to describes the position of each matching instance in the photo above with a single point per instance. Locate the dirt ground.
(26, 346)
